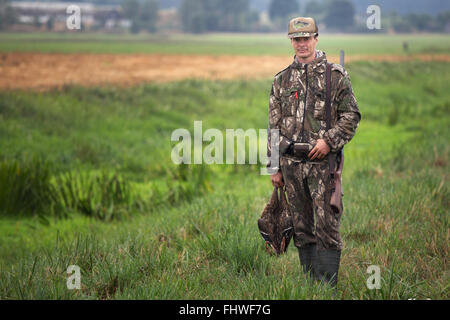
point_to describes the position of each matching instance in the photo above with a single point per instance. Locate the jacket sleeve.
(274, 123)
(348, 116)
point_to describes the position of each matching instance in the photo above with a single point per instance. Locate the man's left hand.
(320, 150)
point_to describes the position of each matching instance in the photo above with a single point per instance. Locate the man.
(297, 110)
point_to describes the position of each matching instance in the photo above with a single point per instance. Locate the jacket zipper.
(304, 104)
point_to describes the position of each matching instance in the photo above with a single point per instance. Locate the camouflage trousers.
(308, 187)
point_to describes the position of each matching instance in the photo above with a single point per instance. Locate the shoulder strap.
(331, 157)
(328, 95)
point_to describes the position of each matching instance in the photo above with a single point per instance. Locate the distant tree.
(131, 12)
(143, 14)
(313, 8)
(148, 15)
(130, 8)
(214, 15)
(282, 8)
(193, 16)
(316, 10)
(443, 21)
(7, 14)
(420, 22)
(36, 21)
(398, 23)
(234, 15)
(340, 14)
(50, 23)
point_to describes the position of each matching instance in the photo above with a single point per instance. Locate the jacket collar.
(318, 64)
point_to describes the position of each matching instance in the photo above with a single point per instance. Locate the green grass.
(207, 246)
(238, 44)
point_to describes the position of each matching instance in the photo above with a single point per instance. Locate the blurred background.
(91, 92)
(199, 16)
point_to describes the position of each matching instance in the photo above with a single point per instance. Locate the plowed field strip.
(46, 71)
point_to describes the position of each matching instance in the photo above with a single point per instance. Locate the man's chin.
(304, 55)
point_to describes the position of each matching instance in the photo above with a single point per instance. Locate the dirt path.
(45, 71)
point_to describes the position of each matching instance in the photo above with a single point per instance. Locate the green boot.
(327, 266)
(307, 256)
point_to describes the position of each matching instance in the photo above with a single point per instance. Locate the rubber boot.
(326, 266)
(307, 256)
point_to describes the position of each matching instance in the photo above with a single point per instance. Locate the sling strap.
(331, 157)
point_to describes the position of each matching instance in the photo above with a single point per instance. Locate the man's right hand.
(277, 179)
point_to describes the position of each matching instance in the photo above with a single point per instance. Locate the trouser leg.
(302, 215)
(329, 243)
(327, 222)
(300, 204)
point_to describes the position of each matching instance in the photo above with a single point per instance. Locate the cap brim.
(301, 35)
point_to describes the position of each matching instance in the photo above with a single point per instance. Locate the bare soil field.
(48, 71)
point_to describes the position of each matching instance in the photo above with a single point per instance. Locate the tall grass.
(25, 188)
(104, 196)
(28, 188)
(32, 188)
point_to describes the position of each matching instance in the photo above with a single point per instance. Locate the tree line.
(198, 16)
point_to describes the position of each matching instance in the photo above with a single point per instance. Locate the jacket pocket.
(320, 110)
(287, 127)
(289, 98)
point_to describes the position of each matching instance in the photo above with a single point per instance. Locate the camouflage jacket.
(301, 87)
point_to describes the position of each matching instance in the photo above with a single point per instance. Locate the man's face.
(304, 47)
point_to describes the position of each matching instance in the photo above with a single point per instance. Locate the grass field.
(239, 44)
(94, 185)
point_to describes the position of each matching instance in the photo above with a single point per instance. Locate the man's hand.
(319, 151)
(277, 179)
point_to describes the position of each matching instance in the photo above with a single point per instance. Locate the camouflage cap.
(302, 27)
